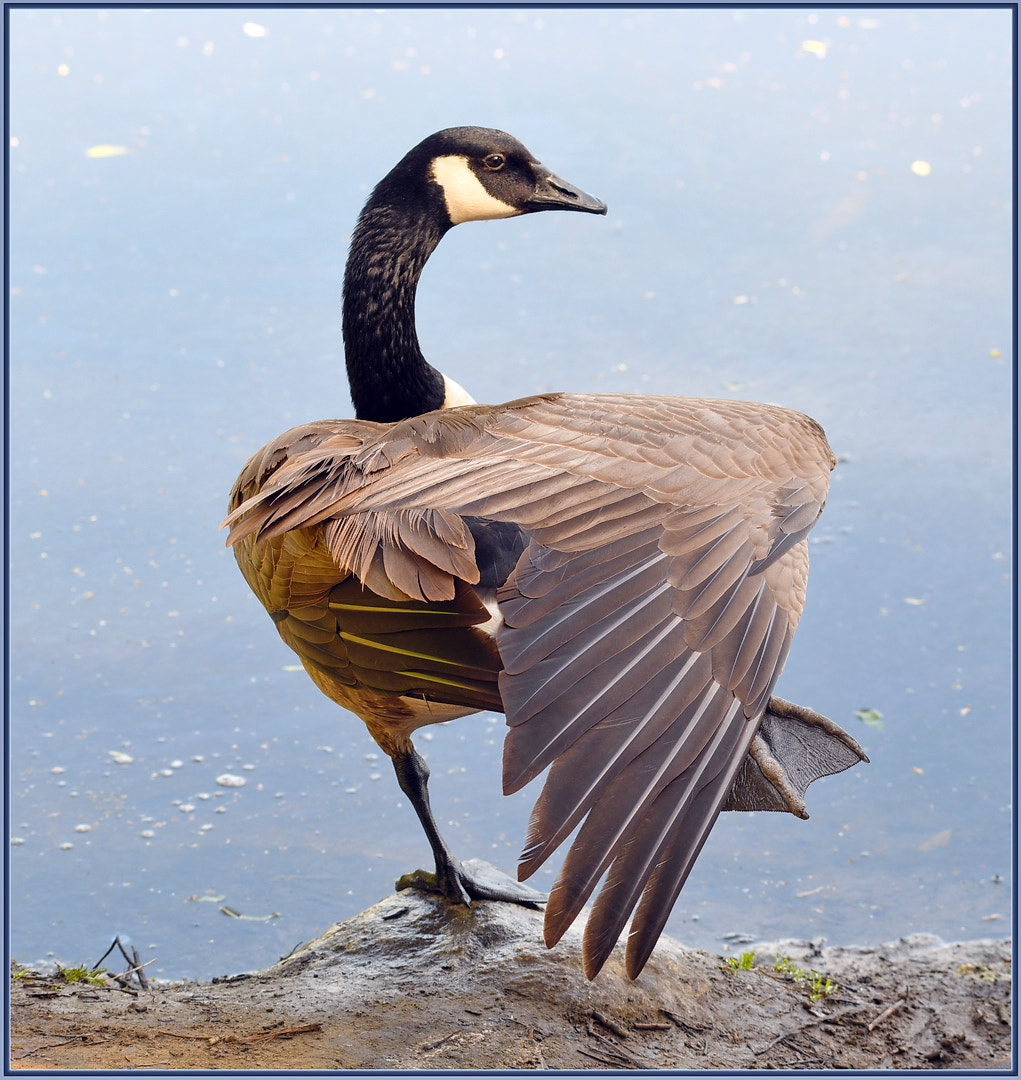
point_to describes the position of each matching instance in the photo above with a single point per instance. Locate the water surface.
(808, 208)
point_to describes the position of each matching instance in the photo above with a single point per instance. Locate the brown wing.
(358, 644)
(645, 624)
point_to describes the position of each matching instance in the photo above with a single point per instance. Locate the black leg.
(452, 878)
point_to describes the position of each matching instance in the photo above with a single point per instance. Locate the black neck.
(389, 377)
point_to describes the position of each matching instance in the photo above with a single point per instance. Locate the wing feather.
(619, 822)
(672, 834)
(663, 706)
(595, 696)
(576, 623)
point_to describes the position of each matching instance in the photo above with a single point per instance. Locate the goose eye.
(494, 161)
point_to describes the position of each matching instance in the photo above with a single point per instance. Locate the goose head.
(479, 174)
(457, 175)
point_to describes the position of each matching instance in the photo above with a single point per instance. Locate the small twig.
(796, 1031)
(122, 984)
(610, 1025)
(280, 1032)
(651, 1027)
(138, 968)
(257, 1036)
(124, 952)
(605, 1061)
(135, 965)
(436, 1045)
(143, 979)
(113, 945)
(776, 1042)
(685, 1025)
(617, 1052)
(886, 1013)
(122, 979)
(211, 1039)
(769, 975)
(251, 918)
(50, 1046)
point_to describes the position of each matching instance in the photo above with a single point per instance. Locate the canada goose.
(620, 575)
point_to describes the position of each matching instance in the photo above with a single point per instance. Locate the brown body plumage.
(649, 560)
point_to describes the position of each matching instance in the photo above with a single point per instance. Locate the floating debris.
(251, 918)
(937, 840)
(872, 717)
(231, 780)
(105, 150)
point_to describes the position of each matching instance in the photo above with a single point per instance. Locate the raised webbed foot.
(793, 746)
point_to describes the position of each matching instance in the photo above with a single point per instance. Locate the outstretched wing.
(645, 623)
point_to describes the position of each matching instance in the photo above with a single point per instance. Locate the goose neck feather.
(389, 377)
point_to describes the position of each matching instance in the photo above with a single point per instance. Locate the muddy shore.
(415, 983)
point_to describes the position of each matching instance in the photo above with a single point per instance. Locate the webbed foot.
(461, 883)
(793, 746)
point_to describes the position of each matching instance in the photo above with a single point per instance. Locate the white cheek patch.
(466, 198)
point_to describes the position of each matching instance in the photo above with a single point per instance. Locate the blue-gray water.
(808, 208)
